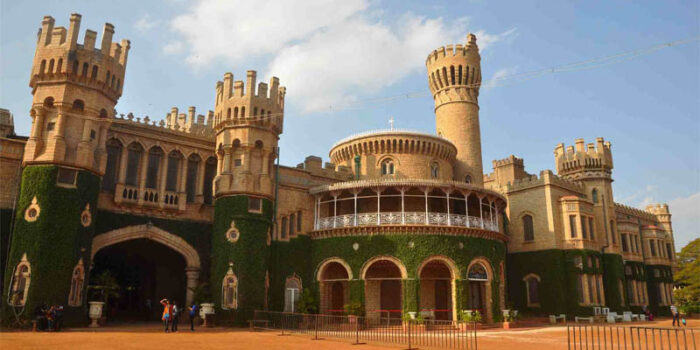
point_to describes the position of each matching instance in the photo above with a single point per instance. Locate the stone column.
(226, 166)
(162, 178)
(142, 177)
(123, 162)
(38, 126)
(182, 178)
(192, 281)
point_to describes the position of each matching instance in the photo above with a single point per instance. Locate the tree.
(687, 278)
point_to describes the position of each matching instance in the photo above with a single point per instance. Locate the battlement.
(241, 103)
(174, 122)
(512, 159)
(658, 209)
(546, 177)
(60, 57)
(455, 66)
(634, 212)
(467, 51)
(583, 157)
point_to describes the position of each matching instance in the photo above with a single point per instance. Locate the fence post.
(568, 337)
(357, 330)
(409, 334)
(316, 317)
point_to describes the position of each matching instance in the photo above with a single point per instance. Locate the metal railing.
(413, 333)
(408, 218)
(580, 337)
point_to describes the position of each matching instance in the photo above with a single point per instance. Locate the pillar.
(192, 281)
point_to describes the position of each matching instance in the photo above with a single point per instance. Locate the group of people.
(171, 315)
(49, 318)
(677, 319)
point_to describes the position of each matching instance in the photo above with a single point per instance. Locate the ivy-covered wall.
(249, 255)
(287, 259)
(613, 272)
(411, 250)
(5, 230)
(54, 242)
(664, 275)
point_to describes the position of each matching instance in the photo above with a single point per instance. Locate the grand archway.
(148, 263)
(437, 287)
(383, 277)
(333, 276)
(479, 279)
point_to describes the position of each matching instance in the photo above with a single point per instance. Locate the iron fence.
(580, 337)
(375, 329)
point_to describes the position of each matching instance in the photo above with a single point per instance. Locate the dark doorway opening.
(146, 272)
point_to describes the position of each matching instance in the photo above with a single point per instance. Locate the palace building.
(397, 221)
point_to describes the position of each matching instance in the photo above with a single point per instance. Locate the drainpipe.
(607, 242)
(274, 212)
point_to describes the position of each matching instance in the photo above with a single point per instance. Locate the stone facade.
(400, 221)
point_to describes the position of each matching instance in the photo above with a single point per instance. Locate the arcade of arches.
(384, 280)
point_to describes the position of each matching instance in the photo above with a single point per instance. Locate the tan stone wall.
(10, 170)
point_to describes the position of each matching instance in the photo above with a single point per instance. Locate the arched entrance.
(383, 288)
(148, 264)
(479, 276)
(437, 277)
(333, 276)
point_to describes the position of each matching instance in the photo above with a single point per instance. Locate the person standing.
(175, 317)
(166, 313)
(676, 315)
(193, 314)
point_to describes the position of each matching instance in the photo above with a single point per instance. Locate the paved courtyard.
(150, 336)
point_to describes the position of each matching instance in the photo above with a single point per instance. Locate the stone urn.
(206, 309)
(95, 312)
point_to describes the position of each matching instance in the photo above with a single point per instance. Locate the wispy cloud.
(145, 23)
(685, 215)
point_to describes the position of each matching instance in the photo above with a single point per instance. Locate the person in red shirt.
(167, 311)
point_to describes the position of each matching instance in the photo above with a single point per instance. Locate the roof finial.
(391, 123)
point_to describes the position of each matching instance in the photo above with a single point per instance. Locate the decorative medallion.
(33, 211)
(85, 216)
(411, 244)
(233, 234)
(461, 245)
(356, 246)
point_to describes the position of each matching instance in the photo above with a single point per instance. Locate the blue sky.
(335, 55)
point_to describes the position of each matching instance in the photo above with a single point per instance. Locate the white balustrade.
(409, 218)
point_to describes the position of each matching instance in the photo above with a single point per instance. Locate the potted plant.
(104, 287)
(354, 310)
(406, 318)
(201, 296)
(509, 318)
(307, 306)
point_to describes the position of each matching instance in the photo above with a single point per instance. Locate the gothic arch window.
(434, 170)
(20, 282)
(48, 102)
(388, 167)
(174, 160)
(51, 63)
(191, 177)
(283, 234)
(209, 173)
(59, 65)
(133, 162)
(85, 69)
(78, 105)
(528, 228)
(532, 283)
(155, 156)
(93, 76)
(468, 179)
(75, 297)
(229, 290)
(43, 67)
(594, 195)
(292, 293)
(114, 153)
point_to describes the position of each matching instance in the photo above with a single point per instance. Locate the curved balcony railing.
(408, 218)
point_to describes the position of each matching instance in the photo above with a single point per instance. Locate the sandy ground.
(150, 336)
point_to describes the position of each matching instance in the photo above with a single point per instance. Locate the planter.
(95, 312)
(206, 313)
(508, 325)
(352, 319)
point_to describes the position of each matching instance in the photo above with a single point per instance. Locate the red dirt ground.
(151, 337)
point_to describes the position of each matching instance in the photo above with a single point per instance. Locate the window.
(192, 169)
(591, 285)
(579, 289)
(669, 252)
(299, 221)
(20, 283)
(468, 179)
(591, 227)
(75, 297)
(652, 247)
(66, 176)
(572, 225)
(584, 232)
(291, 225)
(78, 105)
(598, 289)
(209, 173)
(292, 293)
(578, 262)
(434, 170)
(229, 288)
(283, 228)
(154, 159)
(528, 228)
(531, 289)
(93, 134)
(387, 167)
(237, 162)
(254, 205)
(50, 126)
(114, 153)
(173, 171)
(132, 164)
(623, 238)
(621, 290)
(594, 195)
(636, 244)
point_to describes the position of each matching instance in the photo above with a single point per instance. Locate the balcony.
(148, 197)
(406, 218)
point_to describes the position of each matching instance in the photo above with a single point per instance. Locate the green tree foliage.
(688, 274)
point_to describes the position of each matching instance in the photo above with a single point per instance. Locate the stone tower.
(75, 88)
(454, 77)
(591, 165)
(247, 122)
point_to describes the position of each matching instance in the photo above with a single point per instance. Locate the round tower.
(247, 122)
(454, 77)
(75, 88)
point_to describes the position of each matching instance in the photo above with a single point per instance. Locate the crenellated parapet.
(583, 161)
(241, 104)
(546, 177)
(454, 72)
(199, 126)
(634, 212)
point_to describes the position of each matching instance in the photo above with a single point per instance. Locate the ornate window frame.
(33, 211)
(229, 287)
(233, 234)
(16, 280)
(528, 279)
(293, 284)
(75, 297)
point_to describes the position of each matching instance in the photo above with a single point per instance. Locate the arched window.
(103, 113)
(192, 170)
(20, 283)
(76, 64)
(78, 105)
(468, 179)
(42, 68)
(75, 297)
(291, 225)
(114, 153)
(434, 170)
(174, 159)
(532, 283)
(387, 167)
(85, 69)
(59, 66)
(292, 293)
(132, 164)
(594, 195)
(154, 158)
(283, 232)
(51, 63)
(528, 228)
(93, 76)
(48, 102)
(229, 290)
(209, 173)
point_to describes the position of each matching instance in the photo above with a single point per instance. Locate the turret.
(75, 88)
(454, 77)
